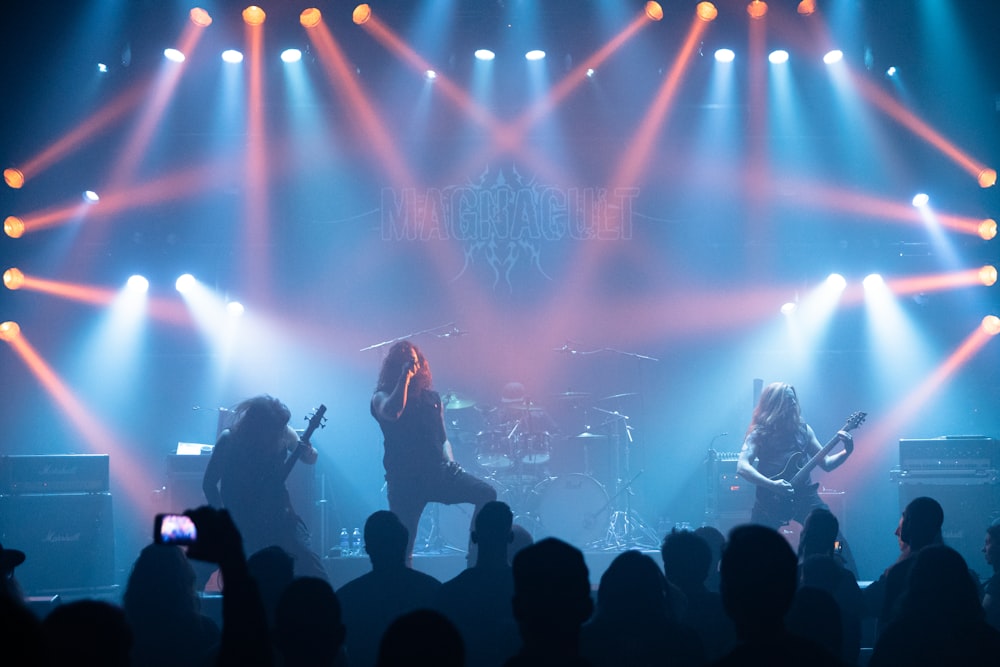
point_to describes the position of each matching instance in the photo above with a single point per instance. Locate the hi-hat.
(614, 396)
(588, 435)
(572, 394)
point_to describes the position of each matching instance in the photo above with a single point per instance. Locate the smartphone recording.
(174, 529)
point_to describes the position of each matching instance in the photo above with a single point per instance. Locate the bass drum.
(575, 508)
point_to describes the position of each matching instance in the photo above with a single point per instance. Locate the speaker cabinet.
(68, 539)
(968, 511)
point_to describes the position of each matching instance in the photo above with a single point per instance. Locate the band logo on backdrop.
(505, 220)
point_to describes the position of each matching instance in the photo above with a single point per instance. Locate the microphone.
(566, 348)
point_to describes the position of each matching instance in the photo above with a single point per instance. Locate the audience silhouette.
(939, 620)
(477, 601)
(758, 584)
(551, 602)
(273, 569)
(421, 637)
(991, 587)
(633, 624)
(308, 629)
(687, 561)
(163, 610)
(717, 542)
(89, 632)
(372, 601)
(919, 526)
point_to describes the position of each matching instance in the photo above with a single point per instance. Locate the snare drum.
(493, 450)
(575, 508)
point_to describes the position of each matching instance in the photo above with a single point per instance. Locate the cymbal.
(588, 435)
(454, 402)
(614, 396)
(572, 394)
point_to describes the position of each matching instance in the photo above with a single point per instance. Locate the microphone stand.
(414, 334)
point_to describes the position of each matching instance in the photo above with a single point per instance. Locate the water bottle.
(345, 543)
(356, 542)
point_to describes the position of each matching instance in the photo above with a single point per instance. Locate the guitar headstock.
(316, 420)
(855, 420)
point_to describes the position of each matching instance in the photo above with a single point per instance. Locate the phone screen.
(174, 529)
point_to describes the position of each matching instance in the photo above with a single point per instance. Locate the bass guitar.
(316, 420)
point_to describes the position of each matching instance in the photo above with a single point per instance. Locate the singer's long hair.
(393, 363)
(777, 411)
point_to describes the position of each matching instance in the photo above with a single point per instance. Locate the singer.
(419, 466)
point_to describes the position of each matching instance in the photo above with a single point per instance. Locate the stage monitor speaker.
(68, 539)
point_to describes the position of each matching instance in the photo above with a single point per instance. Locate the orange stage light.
(13, 278)
(987, 229)
(807, 7)
(706, 11)
(987, 178)
(361, 14)
(757, 9)
(254, 15)
(310, 18)
(9, 330)
(13, 227)
(15, 179)
(200, 17)
(990, 324)
(654, 11)
(988, 275)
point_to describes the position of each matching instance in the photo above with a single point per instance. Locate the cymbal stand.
(627, 529)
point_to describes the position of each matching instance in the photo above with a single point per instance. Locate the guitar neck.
(804, 471)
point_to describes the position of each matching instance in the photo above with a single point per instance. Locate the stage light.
(891, 72)
(102, 68)
(13, 227)
(484, 54)
(137, 284)
(534, 54)
(987, 178)
(9, 330)
(361, 14)
(987, 274)
(173, 55)
(254, 15)
(13, 178)
(430, 75)
(200, 17)
(654, 11)
(987, 229)
(590, 72)
(807, 7)
(991, 325)
(291, 56)
(706, 11)
(232, 56)
(310, 18)
(757, 9)
(920, 199)
(872, 281)
(185, 283)
(235, 308)
(836, 281)
(13, 278)
(725, 55)
(778, 57)
(834, 56)
(91, 197)
(788, 308)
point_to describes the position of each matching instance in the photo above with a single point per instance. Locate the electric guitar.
(798, 467)
(317, 420)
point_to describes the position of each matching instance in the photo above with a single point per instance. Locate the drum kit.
(572, 486)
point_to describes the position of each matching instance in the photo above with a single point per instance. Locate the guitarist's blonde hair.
(777, 410)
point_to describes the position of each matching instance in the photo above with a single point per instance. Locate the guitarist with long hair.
(785, 448)
(246, 475)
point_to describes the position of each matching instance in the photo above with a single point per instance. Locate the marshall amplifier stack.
(963, 474)
(57, 510)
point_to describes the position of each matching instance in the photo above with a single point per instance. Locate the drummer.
(527, 425)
